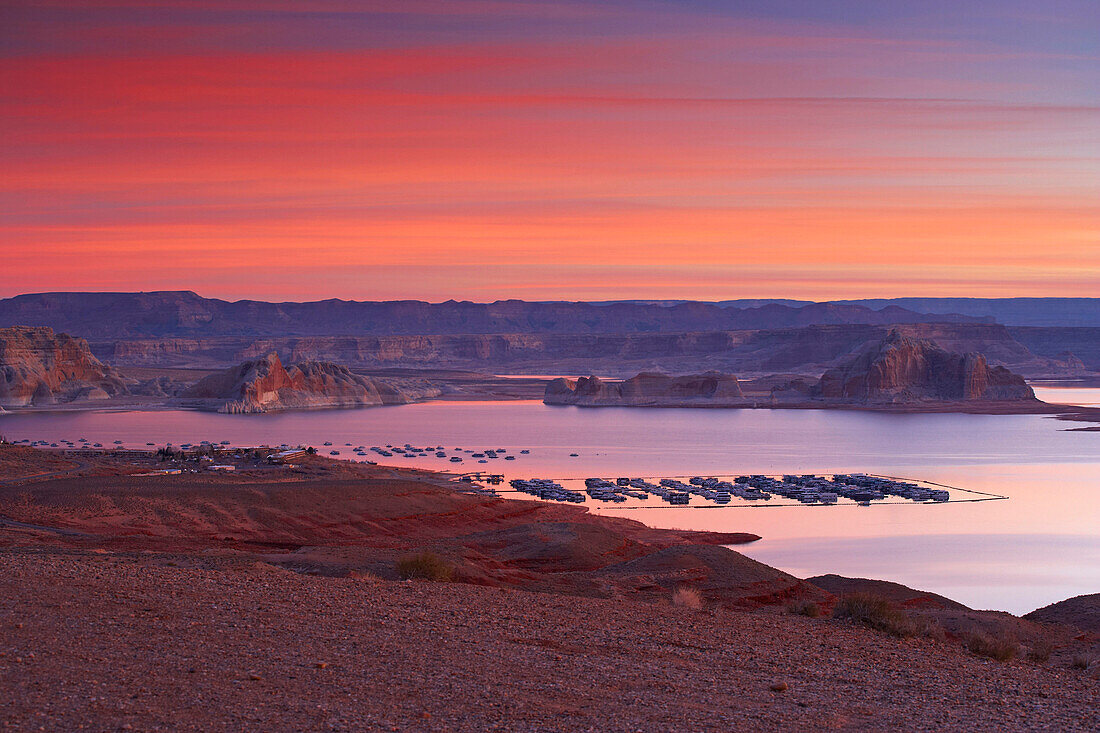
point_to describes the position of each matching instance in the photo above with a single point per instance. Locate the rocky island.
(265, 385)
(648, 390)
(899, 371)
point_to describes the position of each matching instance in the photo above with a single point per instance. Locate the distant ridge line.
(185, 314)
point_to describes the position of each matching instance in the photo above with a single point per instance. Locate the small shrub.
(805, 608)
(1000, 648)
(927, 628)
(1081, 661)
(688, 598)
(876, 612)
(1040, 650)
(424, 566)
(364, 575)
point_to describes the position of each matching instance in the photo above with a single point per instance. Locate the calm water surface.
(1083, 396)
(1039, 546)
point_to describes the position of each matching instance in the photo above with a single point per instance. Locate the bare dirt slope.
(1080, 611)
(901, 595)
(110, 641)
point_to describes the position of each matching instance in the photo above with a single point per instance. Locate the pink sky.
(485, 150)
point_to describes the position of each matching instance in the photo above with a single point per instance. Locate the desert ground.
(271, 599)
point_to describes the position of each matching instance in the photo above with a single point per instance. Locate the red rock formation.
(901, 369)
(39, 367)
(809, 351)
(647, 389)
(264, 384)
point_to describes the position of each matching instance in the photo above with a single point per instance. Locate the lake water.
(1040, 545)
(1083, 396)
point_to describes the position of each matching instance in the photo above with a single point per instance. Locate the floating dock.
(756, 490)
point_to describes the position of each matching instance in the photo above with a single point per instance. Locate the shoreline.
(1079, 413)
(306, 560)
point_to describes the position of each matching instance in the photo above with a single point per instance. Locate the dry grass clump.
(805, 608)
(1001, 648)
(424, 566)
(1082, 661)
(1040, 650)
(686, 597)
(365, 575)
(876, 612)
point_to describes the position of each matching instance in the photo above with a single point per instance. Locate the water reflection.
(1051, 476)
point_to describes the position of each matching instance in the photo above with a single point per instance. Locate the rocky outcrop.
(264, 385)
(39, 367)
(903, 370)
(648, 390)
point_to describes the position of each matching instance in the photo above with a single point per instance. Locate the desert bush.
(1040, 650)
(876, 612)
(365, 575)
(805, 608)
(686, 597)
(1001, 648)
(927, 628)
(1081, 661)
(424, 566)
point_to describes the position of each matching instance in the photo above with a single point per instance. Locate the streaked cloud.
(546, 148)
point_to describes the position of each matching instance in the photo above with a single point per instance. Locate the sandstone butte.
(901, 369)
(264, 384)
(39, 367)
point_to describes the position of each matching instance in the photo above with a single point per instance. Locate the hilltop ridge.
(186, 314)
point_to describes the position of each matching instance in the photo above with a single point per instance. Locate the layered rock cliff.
(808, 351)
(39, 367)
(901, 370)
(648, 390)
(264, 385)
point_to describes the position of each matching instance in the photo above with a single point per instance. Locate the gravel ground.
(149, 642)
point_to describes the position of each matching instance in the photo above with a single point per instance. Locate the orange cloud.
(581, 165)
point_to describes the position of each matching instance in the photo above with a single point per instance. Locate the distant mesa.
(187, 315)
(903, 370)
(648, 389)
(40, 367)
(264, 385)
